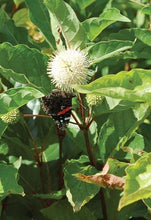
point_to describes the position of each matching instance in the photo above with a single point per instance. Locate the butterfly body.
(58, 104)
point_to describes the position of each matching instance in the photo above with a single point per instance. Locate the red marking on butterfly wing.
(64, 110)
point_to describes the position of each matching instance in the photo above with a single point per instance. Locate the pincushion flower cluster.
(68, 67)
(94, 99)
(11, 117)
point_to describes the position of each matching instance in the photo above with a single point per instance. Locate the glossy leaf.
(21, 17)
(9, 185)
(94, 26)
(22, 63)
(113, 130)
(17, 97)
(84, 3)
(146, 10)
(40, 17)
(17, 2)
(132, 86)
(61, 210)
(87, 191)
(138, 182)
(3, 127)
(143, 35)
(71, 29)
(9, 32)
(105, 50)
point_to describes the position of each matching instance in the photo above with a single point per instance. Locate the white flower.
(69, 67)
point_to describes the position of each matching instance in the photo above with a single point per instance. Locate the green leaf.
(84, 3)
(61, 210)
(94, 26)
(87, 191)
(114, 14)
(116, 167)
(138, 184)
(132, 34)
(3, 127)
(40, 17)
(10, 74)
(51, 153)
(113, 130)
(18, 60)
(15, 98)
(146, 10)
(134, 148)
(22, 207)
(9, 32)
(112, 205)
(143, 35)
(133, 86)
(18, 2)
(148, 203)
(21, 17)
(71, 29)
(107, 49)
(8, 181)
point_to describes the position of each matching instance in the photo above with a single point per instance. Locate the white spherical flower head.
(69, 67)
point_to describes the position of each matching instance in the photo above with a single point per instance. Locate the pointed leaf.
(134, 85)
(71, 28)
(22, 60)
(113, 130)
(114, 14)
(8, 181)
(3, 127)
(84, 3)
(107, 49)
(87, 191)
(61, 210)
(138, 182)
(143, 35)
(146, 10)
(40, 17)
(9, 32)
(94, 26)
(15, 98)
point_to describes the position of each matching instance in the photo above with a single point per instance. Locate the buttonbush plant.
(99, 166)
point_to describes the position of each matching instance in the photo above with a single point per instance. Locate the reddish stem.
(61, 136)
(31, 115)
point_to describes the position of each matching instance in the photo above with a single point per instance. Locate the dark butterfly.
(58, 104)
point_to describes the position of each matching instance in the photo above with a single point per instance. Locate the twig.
(139, 3)
(33, 115)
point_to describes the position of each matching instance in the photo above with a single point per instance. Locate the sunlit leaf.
(146, 10)
(134, 85)
(84, 3)
(71, 29)
(9, 185)
(87, 191)
(138, 181)
(40, 17)
(94, 26)
(15, 98)
(105, 50)
(22, 63)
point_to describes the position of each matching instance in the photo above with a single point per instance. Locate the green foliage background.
(37, 175)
